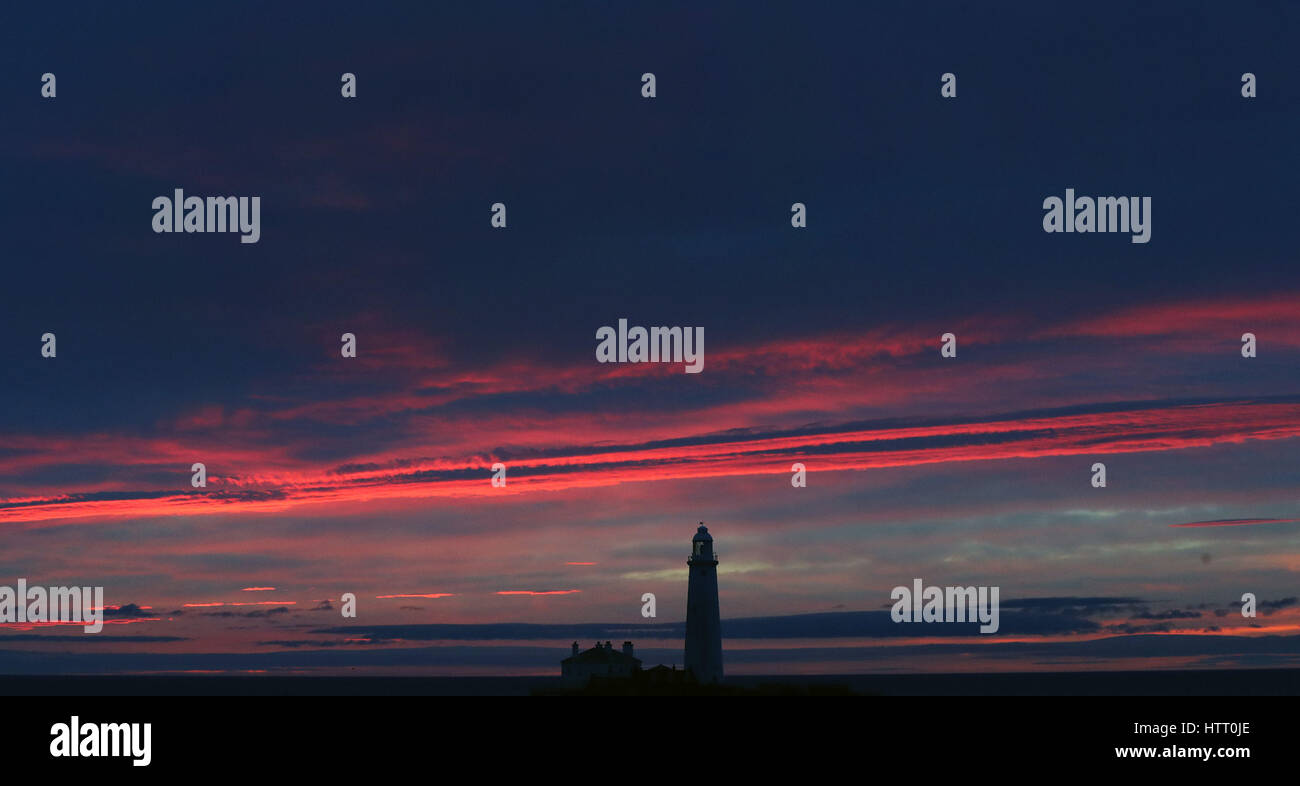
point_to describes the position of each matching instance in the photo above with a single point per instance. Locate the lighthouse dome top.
(702, 534)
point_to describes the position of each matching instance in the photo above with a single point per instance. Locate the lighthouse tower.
(703, 626)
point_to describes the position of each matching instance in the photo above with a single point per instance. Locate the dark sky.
(476, 344)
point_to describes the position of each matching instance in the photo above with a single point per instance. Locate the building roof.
(601, 655)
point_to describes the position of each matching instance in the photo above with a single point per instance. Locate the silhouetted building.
(703, 624)
(601, 660)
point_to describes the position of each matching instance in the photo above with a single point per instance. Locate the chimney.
(627, 648)
(575, 648)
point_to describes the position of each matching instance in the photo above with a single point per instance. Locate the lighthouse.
(703, 626)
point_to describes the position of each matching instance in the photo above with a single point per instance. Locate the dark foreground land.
(1254, 682)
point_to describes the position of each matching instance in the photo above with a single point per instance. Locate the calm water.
(1255, 682)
